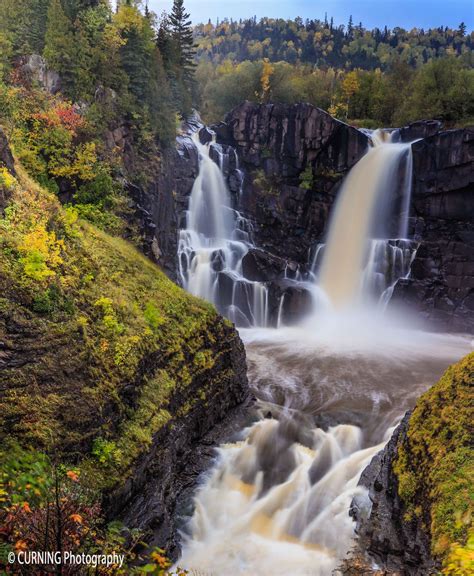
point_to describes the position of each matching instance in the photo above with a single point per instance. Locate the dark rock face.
(293, 157)
(6, 161)
(158, 494)
(6, 156)
(161, 205)
(442, 278)
(394, 543)
(420, 129)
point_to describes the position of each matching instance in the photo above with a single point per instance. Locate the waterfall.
(352, 254)
(329, 389)
(213, 244)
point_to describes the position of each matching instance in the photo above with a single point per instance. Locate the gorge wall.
(284, 165)
(419, 512)
(442, 278)
(106, 348)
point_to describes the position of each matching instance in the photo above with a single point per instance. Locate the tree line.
(323, 44)
(368, 77)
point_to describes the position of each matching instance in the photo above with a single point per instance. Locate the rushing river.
(329, 390)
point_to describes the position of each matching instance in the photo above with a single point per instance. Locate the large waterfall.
(363, 210)
(329, 389)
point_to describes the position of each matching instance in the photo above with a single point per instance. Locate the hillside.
(100, 353)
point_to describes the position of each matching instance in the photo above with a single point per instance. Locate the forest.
(370, 77)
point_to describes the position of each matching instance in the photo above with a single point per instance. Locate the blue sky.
(405, 13)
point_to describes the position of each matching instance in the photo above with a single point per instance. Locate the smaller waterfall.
(213, 244)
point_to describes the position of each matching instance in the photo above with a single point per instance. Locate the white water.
(329, 390)
(212, 247)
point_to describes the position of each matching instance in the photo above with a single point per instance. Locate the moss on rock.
(95, 341)
(435, 463)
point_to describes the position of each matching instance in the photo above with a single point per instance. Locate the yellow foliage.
(460, 561)
(6, 179)
(83, 165)
(267, 72)
(41, 252)
(350, 84)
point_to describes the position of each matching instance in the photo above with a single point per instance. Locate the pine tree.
(350, 28)
(182, 34)
(164, 40)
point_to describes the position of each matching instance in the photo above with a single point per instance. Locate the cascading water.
(329, 390)
(212, 247)
(354, 263)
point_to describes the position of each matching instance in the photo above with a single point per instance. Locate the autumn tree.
(265, 81)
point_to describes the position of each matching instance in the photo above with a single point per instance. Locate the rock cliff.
(284, 165)
(441, 284)
(293, 158)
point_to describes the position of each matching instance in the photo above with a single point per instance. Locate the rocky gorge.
(284, 166)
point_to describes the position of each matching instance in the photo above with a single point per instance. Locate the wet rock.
(205, 135)
(261, 266)
(441, 283)
(395, 544)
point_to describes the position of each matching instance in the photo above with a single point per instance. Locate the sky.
(372, 13)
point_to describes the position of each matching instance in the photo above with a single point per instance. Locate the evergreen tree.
(182, 34)
(164, 40)
(350, 28)
(59, 45)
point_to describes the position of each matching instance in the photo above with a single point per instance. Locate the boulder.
(35, 70)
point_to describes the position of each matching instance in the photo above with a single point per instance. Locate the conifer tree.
(59, 44)
(182, 34)
(350, 28)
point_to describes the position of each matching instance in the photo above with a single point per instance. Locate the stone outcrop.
(293, 158)
(442, 277)
(6, 161)
(34, 69)
(400, 546)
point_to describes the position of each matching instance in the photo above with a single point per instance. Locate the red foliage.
(62, 115)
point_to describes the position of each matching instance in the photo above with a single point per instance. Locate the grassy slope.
(435, 465)
(94, 338)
